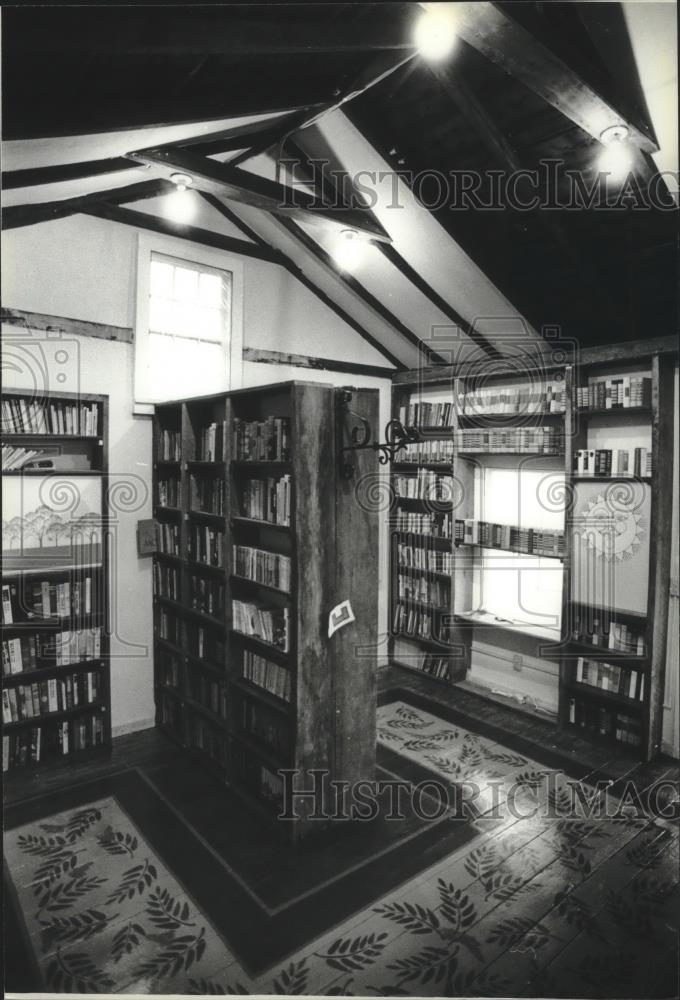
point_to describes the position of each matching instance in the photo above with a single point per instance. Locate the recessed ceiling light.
(349, 250)
(616, 159)
(435, 33)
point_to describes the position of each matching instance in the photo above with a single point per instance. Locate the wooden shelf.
(258, 523)
(255, 691)
(488, 620)
(261, 586)
(68, 713)
(615, 411)
(589, 691)
(68, 563)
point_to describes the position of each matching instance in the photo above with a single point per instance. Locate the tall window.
(188, 336)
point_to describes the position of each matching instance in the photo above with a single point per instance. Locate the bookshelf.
(613, 663)
(479, 439)
(257, 533)
(56, 674)
(593, 448)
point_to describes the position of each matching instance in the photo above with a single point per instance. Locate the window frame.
(201, 256)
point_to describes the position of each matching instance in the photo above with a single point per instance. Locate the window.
(529, 588)
(188, 333)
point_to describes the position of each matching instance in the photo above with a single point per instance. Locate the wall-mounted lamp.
(616, 159)
(181, 204)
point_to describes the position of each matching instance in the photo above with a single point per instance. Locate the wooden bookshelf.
(458, 441)
(56, 656)
(610, 650)
(613, 661)
(249, 705)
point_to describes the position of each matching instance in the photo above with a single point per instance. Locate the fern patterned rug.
(118, 897)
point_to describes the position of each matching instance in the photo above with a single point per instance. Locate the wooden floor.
(568, 909)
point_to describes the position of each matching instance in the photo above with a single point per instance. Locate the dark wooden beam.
(360, 290)
(490, 30)
(328, 189)
(218, 30)
(142, 220)
(299, 274)
(238, 185)
(79, 327)
(262, 134)
(28, 215)
(262, 357)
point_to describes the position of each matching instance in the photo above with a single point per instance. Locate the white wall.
(84, 268)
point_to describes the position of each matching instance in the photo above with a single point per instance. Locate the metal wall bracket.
(355, 428)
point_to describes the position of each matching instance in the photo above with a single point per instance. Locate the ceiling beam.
(205, 237)
(299, 274)
(16, 216)
(490, 30)
(391, 254)
(238, 185)
(360, 291)
(211, 30)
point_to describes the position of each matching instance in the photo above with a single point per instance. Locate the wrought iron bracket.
(355, 428)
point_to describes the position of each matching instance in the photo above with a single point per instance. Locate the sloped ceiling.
(342, 82)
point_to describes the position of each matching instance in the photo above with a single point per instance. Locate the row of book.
(422, 558)
(205, 643)
(267, 726)
(271, 785)
(599, 628)
(209, 494)
(436, 525)
(267, 499)
(619, 392)
(410, 621)
(27, 701)
(53, 649)
(427, 663)
(429, 451)
(272, 677)
(168, 492)
(610, 677)
(426, 414)
(261, 566)
(169, 445)
(47, 599)
(48, 741)
(206, 545)
(26, 416)
(425, 485)
(613, 462)
(169, 627)
(211, 441)
(203, 736)
(207, 595)
(549, 397)
(207, 692)
(168, 538)
(603, 721)
(513, 440)
(272, 625)
(262, 440)
(169, 668)
(533, 541)
(420, 588)
(167, 581)
(17, 456)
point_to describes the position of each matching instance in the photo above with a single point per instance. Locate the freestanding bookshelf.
(259, 538)
(56, 681)
(583, 449)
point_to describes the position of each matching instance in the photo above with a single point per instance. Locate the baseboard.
(132, 727)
